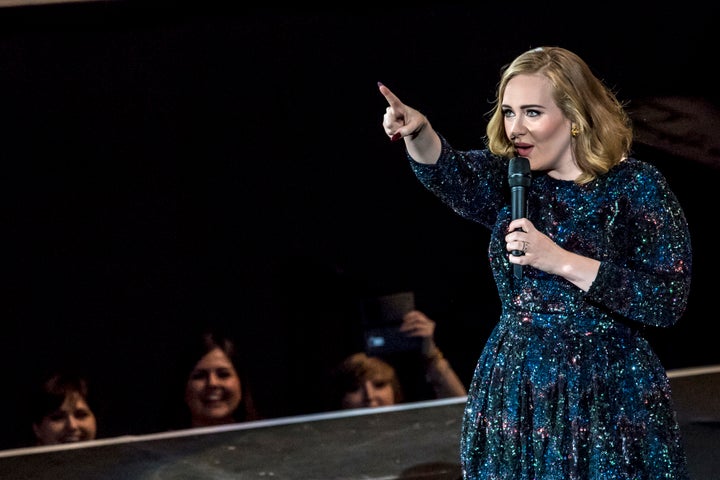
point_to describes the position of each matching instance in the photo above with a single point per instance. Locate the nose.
(71, 423)
(369, 390)
(213, 379)
(515, 127)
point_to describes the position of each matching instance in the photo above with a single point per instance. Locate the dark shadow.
(432, 471)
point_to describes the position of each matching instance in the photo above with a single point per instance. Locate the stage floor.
(418, 441)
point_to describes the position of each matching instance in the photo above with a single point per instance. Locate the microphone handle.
(519, 210)
(517, 271)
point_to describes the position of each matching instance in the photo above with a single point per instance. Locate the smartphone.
(382, 317)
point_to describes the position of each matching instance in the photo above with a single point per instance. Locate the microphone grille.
(519, 172)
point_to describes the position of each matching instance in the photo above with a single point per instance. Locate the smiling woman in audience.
(216, 388)
(61, 411)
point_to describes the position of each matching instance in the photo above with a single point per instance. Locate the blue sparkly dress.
(566, 387)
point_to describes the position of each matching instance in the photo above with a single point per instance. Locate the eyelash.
(378, 384)
(530, 113)
(201, 375)
(59, 416)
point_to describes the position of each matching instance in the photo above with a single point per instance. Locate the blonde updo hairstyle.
(605, 133)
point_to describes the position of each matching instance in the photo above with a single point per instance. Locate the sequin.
(567, 387)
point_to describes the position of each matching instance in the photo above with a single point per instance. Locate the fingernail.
(396, 137)
(380, 84)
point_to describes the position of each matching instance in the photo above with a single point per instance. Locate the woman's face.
(376, 391)
(213, 391)
(537, 127)
(72, 422)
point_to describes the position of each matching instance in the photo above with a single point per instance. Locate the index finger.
(389, 96)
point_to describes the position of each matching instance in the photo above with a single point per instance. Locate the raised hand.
(402, 121)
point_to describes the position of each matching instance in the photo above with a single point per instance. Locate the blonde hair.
(604, 129)
(358, 368)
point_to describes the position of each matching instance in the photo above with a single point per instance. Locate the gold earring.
(574, 131)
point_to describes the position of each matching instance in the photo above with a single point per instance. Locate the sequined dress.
(567, 388)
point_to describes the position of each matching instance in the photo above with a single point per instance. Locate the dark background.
(169, 166)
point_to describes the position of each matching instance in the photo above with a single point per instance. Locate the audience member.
(216, 387)
(61, 411)
(438, 371)
(362, 380)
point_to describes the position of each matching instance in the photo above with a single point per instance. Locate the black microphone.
(519, 178)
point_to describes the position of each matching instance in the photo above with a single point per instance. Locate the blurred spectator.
(363, 380)
(60, 410)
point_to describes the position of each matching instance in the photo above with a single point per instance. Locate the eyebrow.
(524, 107)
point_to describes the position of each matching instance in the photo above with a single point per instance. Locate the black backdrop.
(166, 167)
